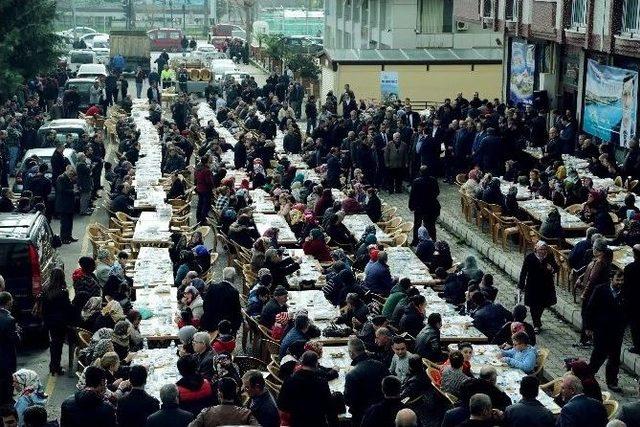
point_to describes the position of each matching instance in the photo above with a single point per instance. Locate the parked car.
(91, 71)
(102, 54)
(166, 38)
(63, 127)
(90, 37)
(83, 85)
(44, 156)
(235, 75)
(27, 257)
(206, 52)
(80, 57)
(221, 66)
(78, 32)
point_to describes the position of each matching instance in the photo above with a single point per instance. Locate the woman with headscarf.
(493, 194)
(111, 314)
(202, 257)
(373, 206)
(470, 269)
(280, 267)
(313, 198)
(412, 321)
(90, 314)
(28, 392)
(121, 339)
(185, 335)
(99, 345)
(187, 263)
(362, 253)
(337, 230)
(195, 240)
(537, 282)
(442, 256)
(259, 175)
(360, 194)
(316, 246)
(271, 234)
(426, 247)
(551, 227)
(510, 207)
(309, 223)
(324, 203)
(137, 341)
(340, 255)
(472, 186)
(103, 266)
(85, 283)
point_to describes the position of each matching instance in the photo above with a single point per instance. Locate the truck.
(134, 46)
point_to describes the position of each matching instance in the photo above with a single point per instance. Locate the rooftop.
(491, 55)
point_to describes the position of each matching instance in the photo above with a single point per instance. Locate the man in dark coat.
(58, 161)
(277, 304)
(169, 414)
(65, 204)
(490, 154)
(8, 343)
(137, 405)
(260, 402)
(362, 383)
(240, 154)
(87, 407)
(306, 398)
(580, 410)
(537, 282)
(605, 321)
(631, 296)
(486, 384)
(423, 202)
(222, 302)
(428, 343)
(529, 411)
(383, 414)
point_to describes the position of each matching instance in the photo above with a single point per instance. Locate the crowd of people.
(361, 149)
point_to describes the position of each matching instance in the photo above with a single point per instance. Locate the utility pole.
(184, 18)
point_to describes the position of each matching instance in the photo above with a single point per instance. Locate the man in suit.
(431, 149)
(65, 204)
(380, 141)
(411, 118)
(529, 411)
(8, 343)
(137, 405)
(153, 93)
(630, 413)
(580, 410)
(170, 414)
(362, 384)
(423, 202)
(222, 302)
(605, 322)
(631, 296)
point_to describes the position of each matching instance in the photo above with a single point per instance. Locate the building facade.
(398, 24)
(584, 55)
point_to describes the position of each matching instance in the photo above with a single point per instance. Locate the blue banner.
(522, 73)
(610, 103)
(389, 89)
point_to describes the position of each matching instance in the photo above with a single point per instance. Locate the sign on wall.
(611, 103)
(389, 89)
(522, 73)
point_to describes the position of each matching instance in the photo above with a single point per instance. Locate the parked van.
(79, 57)
(91, 71)
(76, 127)
(44, 156)
(166, 38)
(27, 257)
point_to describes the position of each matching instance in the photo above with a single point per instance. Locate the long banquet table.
(356, 225)
(403, 262)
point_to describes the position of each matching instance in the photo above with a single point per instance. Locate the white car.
(89, 38)
(81, 57)
(206, 52)
(102, 54)
(91, 70)
(223, 66)
(78, 32)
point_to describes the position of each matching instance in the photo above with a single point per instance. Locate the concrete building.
(399, 24)
(584, 55)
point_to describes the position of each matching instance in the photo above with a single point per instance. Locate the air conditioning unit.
(462, 26)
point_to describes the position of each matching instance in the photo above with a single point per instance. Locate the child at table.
(225, 342)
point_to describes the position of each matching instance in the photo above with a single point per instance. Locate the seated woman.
(426, 247)
(362, 252)
(225, 341)
(412, 321)
(316, 246)
(551, 227)
(492, 194)
(90, 314)
(111, 314)
(187, 263)
(442, 256)
(28, 391)
(279, 266)
(134, 317)
(185, 335)
(337, 230)
(522, 356)
(194, 392)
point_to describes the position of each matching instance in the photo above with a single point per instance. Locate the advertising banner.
(522, 73)
(389, 89)
(611, 103)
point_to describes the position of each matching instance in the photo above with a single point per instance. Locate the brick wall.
(466, 10)
(543, 22)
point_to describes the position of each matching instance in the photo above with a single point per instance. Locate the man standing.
(153, 93)
(84, 184)
(605, 323)
(396, 161)
(65, 203)
(362, 383)
(111, 90)
(140, 76)
(305, 397)
(423, 202)
(137, 405)
(631, 296)
(261, 403)
(222, 302)
(8, 342)
(203, 178)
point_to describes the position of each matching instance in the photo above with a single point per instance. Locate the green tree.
(274, 46)
(28, 45)
(303, 65)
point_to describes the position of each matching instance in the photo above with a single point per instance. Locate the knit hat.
(373, 254)
(280, 291)
(201, 250)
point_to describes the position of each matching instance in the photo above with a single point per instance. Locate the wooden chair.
(400, 240)
(618, 181)
(274, 370)
(612, 408)
(489, 213)
(541, 358)
(562, 259)
(269, 347)
(246, 363)
(503, 228)
(435, 376)
(553, 387)
(528, 237)
(467, 204)
(461, 178)
(391, 224)
(273, 387)
(631, 185)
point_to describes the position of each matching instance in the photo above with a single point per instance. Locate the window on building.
(338, 44)
(373, 7)
(486, 8)
(510, 10)
(347, 41)
(434, 16)
(347, 10)
(356, 11)
(327, 8)
(339, 5)
(579, 14)
(385, 16)
(365, 13)
(631, 17)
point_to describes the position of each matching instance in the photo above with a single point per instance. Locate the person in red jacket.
(194, 392)
(94, 110)
(204, 187)
(316, 246)
(225, 342)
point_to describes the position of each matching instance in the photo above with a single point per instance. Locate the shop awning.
(490, 55)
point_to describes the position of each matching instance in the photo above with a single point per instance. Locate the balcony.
(631, 19)
(578, 16)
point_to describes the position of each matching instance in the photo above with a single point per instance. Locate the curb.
(567, 310)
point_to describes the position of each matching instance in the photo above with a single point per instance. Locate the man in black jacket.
(169, 414)
(222, 302)
(65, 204)
(486, 384)
(306, 397)
(631, 296)
(383, 414)
(605, 323)
(58, 161)
(261, 403)
(137, 405)
(87, 407)
(423, 202)
(277, 304)
(529, 411)
(8, 343)
(362, 386)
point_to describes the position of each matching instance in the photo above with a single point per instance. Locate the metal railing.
(631, 17)
(578, 14)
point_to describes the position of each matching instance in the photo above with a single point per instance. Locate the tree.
(28, 44)
(274, 46)
(303, 65)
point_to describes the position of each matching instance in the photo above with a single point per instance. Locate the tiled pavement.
(559, 333)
